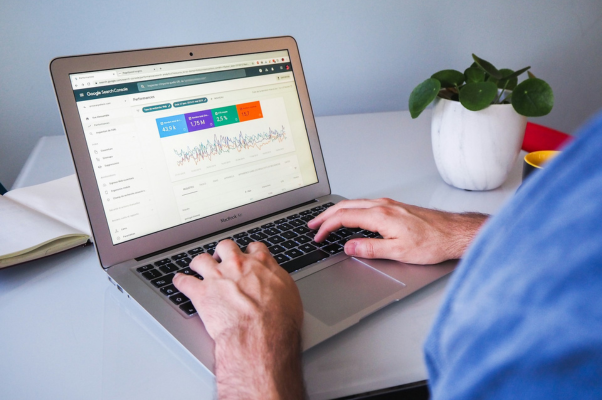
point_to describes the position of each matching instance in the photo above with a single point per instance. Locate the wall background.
(358, 56)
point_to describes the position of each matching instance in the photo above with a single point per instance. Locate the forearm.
(463, 228)
(255, 364)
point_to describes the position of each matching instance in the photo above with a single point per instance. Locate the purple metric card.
(199, 120)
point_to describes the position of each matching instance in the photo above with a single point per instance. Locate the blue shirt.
(522, 316)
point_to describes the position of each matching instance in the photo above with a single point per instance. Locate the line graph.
(216, 148)
(226, 144)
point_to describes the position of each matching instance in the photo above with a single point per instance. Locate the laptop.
(178, 148)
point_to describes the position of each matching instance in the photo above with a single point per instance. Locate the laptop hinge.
(144, 257)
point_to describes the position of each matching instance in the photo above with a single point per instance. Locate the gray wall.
(358, 56)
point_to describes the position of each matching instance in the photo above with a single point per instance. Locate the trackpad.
(344, 289)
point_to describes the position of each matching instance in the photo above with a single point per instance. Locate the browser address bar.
(167, 74)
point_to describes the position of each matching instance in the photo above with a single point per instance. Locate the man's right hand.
(410, 234)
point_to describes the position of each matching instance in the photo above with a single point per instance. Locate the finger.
(226, 249)
(373, 248)
(205, 265)
(365, 218)
(360, 203)
(260, 252)
(254, 247)
(192, 287)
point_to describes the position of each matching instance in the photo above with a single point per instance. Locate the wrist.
(465, 227)
(259, 361)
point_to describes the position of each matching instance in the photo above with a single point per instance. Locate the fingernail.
(350, 248)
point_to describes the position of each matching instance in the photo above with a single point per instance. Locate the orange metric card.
(249, 111)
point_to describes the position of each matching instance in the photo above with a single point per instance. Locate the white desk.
(69, 334)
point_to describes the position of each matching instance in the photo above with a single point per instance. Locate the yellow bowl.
(536, 160)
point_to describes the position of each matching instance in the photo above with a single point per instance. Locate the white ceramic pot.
(475, 150)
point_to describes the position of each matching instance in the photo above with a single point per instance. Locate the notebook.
(178, 148)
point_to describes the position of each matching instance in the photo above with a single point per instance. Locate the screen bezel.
(110, 254)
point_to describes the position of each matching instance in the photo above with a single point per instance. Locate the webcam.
(191, 54)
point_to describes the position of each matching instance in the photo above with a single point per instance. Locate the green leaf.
(423, 95)
(449, 78)
(474, 74)
(487, 67)
(508, 82)
(531, 76)
(533, 98)
(476, 96)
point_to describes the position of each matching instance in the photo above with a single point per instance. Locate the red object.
(539, 137)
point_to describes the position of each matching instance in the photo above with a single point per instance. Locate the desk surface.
(67, 333)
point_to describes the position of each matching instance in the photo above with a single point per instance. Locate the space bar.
(304, 260)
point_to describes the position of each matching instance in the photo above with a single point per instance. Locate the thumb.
(369, 248)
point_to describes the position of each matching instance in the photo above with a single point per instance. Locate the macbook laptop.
(178, 148)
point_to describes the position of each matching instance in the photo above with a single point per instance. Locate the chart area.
(209, 141)
(230, 156)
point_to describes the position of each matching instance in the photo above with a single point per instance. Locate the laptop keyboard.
(288, 240)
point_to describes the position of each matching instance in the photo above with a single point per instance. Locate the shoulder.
(522, 312)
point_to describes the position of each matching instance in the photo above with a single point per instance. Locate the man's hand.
(252, 309)
(410, 234)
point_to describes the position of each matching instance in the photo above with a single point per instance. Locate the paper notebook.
(42, 220)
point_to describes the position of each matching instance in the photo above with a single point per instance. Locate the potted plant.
(479, 120)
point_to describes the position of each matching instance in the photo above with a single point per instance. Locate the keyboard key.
(150, 274)
(254, 230)
(196, 251)
(239, 235)
(334, 248)
(307, 248)
(344, 232)
(188, 308)
(268, 225)
(281, 258)
(280, 221)
(169, 290)
(302, 239)
(271, 231)
(288, 235)
(162, 281)
(307, 218)
(259, 236)
(179, 256)
(167, 268)
(297, 222)
(294, 216)
(211, 251)
(306, 212)
(285, 227)
(178, 298)
(311, 234)
(318, 209)
(301, 230)
(304, 261)
(211, 245)
(289, 244)
(294, 253)
(144, 268)
(276, 249)
(333, 237)
(244, 241)
(162, 262)
(183, 262)
(276, 239)
(328, 205)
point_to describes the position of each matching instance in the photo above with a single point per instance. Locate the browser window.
(172, 143)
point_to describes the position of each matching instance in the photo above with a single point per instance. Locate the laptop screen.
(172, 143)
